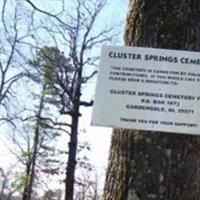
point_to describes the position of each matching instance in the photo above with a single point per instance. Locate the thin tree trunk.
(31, 172)
(147, 165)
(3, 184)
(36, 143)
(26, 187)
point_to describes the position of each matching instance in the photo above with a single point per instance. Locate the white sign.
(148, 89)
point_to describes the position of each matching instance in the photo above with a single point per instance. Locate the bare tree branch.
(49, 14)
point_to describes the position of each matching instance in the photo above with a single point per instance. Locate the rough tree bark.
(157, 166)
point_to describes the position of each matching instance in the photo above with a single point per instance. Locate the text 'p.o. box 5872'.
(148, 89)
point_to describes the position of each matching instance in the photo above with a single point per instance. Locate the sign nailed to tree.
(148, 89)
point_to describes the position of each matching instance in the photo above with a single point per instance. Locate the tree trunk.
(36, 143)
(73, 143)
(71, 163)
(30, 171)
(25, 193)
(147, 165)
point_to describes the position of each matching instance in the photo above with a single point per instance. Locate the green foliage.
(25, 155)
(56, 73)
(52, 62)
(52, 161)
(20, 183)
(52, 195)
